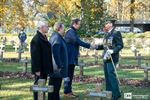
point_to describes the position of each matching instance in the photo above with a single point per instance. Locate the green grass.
(18, 89)
(88, 70)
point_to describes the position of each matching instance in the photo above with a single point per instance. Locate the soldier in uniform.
(112, 44)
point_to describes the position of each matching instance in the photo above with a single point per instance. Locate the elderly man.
(112, 44)
(73, 43)
(41, 56)
(60, 60)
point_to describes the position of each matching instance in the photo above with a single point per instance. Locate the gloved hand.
(109, 52)
(66, 80)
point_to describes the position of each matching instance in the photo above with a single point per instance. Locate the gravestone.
(96, 57)
(139, 60)
(41, 88)
(20, 54)
(146, 68)
(98, 93)
(25, 62)
(16, 47)
(20, 51)
(1, 51)
(135, 52)
(81, 64)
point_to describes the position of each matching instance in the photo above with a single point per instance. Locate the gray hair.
(41, 23)
(58, 25)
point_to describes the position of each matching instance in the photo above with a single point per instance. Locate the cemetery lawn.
(18, 88)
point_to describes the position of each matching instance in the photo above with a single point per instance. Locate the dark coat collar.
(73, 28)
(41, 36)
(59, 35)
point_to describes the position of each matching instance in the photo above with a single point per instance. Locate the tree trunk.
(132, 16)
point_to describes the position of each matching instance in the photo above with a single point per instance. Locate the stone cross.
(16, 47)
(25, 62)
(41, 88)
(135, 52)
(139, 59)
(29, 49)
(146, 69)
(96, 57)
(81, 64)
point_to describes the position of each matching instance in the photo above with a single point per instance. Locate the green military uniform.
(113, 41)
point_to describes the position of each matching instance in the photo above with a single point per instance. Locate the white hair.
(58, 25)
(41, 23)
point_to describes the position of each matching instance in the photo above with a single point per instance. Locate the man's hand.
(93, 46)
(38, 73)
(109, 52)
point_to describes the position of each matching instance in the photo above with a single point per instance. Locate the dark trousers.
(56, 82)
(68, 89)
(42, 76)
(111, 80)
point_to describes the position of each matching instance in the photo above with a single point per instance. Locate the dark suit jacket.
(117, 44)
(73, 42)
(59, 49)
(41, 55)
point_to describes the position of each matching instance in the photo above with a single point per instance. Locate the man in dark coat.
(41, 54)
(60, 60)
(73, 43)
(112, 44)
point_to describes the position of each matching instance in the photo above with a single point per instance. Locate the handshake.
(93, 46)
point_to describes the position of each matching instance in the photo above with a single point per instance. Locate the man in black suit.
(41, 56)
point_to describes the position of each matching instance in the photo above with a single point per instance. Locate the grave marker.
(41, 89)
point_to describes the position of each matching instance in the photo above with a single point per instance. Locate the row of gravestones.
(17, 48)
(146, 49)
(132, 45)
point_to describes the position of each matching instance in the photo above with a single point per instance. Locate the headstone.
(20, 51)
(1, 51)
(25, 62)
(41, 88)
(135, 52)
(146, 69)
(99, 93)
(139, 60)
(96, 57)
(81, 64)
(133, 49)
(16, 47)
(20, 54)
